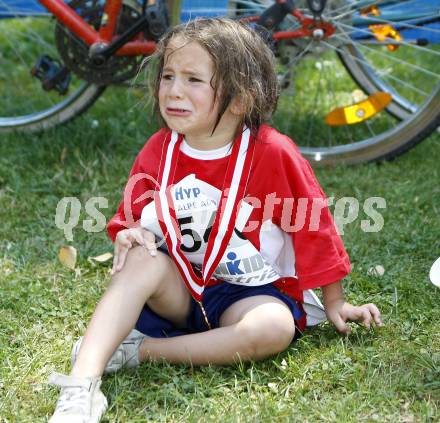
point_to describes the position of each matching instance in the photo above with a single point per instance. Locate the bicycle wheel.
(26, 32)
(350, 67)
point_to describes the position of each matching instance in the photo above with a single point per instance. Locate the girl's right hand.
(128, 238)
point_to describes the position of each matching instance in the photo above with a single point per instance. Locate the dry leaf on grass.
(102, 258)
(67, 256)
(378, 270)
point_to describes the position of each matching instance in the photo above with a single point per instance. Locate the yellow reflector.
(371, 9)
(358, 112)
(382, 32)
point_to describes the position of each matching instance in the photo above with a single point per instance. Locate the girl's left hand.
(339, 312)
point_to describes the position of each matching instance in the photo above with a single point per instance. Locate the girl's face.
(186, 97)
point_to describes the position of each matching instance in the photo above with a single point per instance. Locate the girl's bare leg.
(143, 279)
(251, 329)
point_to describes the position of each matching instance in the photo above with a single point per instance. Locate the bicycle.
(373, 65)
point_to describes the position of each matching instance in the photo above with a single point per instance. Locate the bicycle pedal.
(52, 74)
(275, 14)
(157, 18)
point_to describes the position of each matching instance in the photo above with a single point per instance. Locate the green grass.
(386, 375)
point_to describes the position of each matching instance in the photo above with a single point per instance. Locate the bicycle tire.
(388, 146)
(414, 131)
(24, 105)
(404, 123)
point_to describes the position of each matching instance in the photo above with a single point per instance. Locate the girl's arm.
(339, 311)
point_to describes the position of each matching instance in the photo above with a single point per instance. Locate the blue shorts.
(216, 299)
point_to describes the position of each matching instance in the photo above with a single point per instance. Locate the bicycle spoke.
(5, 15)
(248, 7)
(364, 62)
(392, 58)
(25, 105)
(329, 106)
(387, 40)
(33, 37)
(12, 12)
(347, 9)
(27, 66)
(354, 60)
(351, 8)
(19, 56)
(315, 103)
(387, 55)
(38, 39)
(256, 5)
(330, 136)
(295, 59)
(348, 133)
(341, 8)
(369, 126)
(403, 23)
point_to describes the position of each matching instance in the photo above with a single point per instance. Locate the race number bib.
(196, 204)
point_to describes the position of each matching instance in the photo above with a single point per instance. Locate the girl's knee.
(269, 334)
(141, 266)
(139, 258)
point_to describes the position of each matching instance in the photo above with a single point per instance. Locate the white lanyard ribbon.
(236, 178)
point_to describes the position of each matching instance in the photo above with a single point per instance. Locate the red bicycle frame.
(105, 35)
(68, 17)
(308, 26)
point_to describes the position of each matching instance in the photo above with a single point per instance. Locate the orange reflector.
(370, 10)
(382, 32)
(359, 112)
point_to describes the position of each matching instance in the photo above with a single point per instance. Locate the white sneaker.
(80, 401)
(126, 355)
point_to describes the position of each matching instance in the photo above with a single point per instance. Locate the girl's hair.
(243, 63)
